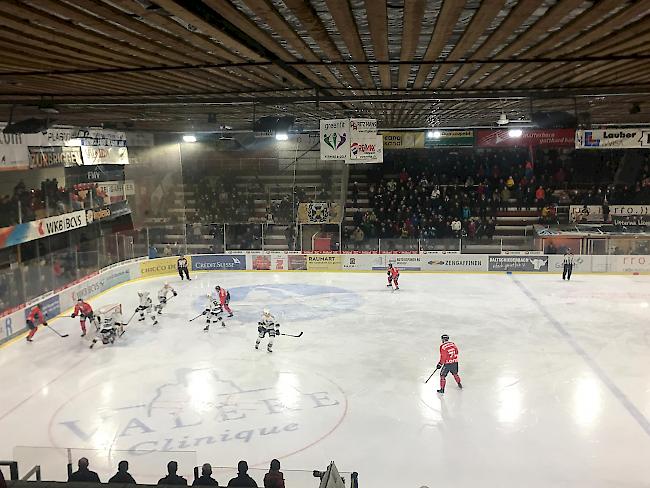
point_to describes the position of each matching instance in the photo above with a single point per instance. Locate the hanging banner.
(629, 210)
(363, 139)
(29, 231)
(450, 138)
(586, 213)
(335, 139)
(623, 138)
(49, 156)
(14, 152)
(117, 190)
(379, 153)
(529, 137)
(319, 213)
(95, 155)
(98, 138)
(402, 140)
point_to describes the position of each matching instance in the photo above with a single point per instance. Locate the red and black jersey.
(448, 353)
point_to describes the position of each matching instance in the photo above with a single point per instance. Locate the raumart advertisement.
(323, 262)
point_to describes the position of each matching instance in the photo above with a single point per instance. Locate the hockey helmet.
(266, 311)
(444, 337)
(217, 288)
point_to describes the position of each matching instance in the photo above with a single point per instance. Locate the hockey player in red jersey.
(393, 276)
(85, 311)
(33, 319)
(448, 362)
(224, 299)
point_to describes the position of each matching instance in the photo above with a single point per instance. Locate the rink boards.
(60, 301)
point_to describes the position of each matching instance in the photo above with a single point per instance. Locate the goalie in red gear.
(393, 276)
(34, 318)
(224, 299)
(448, 362)
(85, 311)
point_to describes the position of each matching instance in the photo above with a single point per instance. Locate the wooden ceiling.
(199, 65)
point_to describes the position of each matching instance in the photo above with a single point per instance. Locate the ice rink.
(556, 377)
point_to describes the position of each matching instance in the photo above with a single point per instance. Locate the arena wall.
(61, 301)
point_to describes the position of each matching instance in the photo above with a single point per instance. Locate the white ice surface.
(556, 376)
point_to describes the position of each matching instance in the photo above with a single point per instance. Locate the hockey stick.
(129, 321)
(434, 372)
(55, 331)
(199, 315)
(291, 335)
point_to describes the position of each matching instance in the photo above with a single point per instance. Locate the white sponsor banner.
(623, 138)
(379, 153)
(405, 262)
(117, 189)
(455, 262)
(335, 139)
(93, 155)
(629, 264)
(14, 150)
(363, 139)
(11, 323)
(629, 210)
(586, 213)
(60, 223)
(98, 138)
(581, 264)
(362, 262)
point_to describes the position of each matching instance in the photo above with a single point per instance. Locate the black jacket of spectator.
(172, 479)
(122, 477)
(243, 480)
(205, 480)
(84, 474)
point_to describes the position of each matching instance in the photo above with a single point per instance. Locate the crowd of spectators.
(27, 204)
(458, 193)
(272, 479)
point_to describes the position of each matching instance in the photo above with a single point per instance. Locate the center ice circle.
(217, 412)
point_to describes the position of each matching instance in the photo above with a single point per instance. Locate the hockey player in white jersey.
(268, 326)
(213, 311)
(146, 307)
(110, 327)
(163, 296)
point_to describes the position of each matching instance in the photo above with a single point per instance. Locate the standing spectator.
(355, 192)
(456, 227)
(172, 478)
(83, 473)
(206, 478)
(122, 475)
(242, 479)
(274, 478)
(540, 196)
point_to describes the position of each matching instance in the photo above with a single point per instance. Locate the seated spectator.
(83, 473)
(172, 478)
(242, 478)
(510, 182)
(456, 227)
(122, 475)
(206, 478)
(274, 478)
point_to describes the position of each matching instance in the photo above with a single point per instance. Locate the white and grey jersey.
(145, 301)
(269, 325)
(568, 259)
(164, 292)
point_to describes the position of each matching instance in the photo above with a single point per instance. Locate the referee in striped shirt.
(568, 265)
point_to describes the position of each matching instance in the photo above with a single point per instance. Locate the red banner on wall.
(532, 137)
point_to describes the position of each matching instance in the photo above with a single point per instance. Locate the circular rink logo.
(290, 303)
(203, 410)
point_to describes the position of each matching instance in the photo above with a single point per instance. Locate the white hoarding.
(335, 139)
